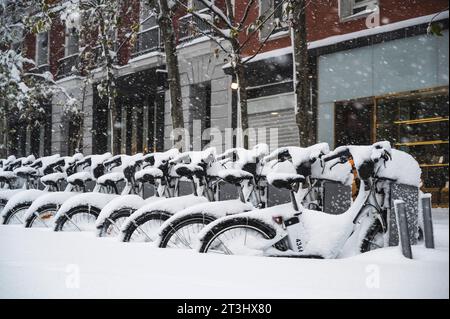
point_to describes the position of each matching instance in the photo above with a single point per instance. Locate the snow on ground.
(42, 264)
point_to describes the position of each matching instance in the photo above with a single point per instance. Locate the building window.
(280, 11)
(200, 103)
(149, 35)
(349, 9)
(279, 16)
(42, 50)
(72, 42)
(190, 26)
(197, 5)
(416, 122)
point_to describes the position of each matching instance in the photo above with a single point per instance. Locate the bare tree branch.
(219, 31)
(260, 47)
(230, 11)
(246, 14)
(261, 25)
(218, 12)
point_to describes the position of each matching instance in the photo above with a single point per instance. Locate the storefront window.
(417, 122)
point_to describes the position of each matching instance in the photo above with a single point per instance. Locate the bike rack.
(427, 221)
(402, 223)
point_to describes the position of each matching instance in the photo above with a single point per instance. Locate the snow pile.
(35, 264)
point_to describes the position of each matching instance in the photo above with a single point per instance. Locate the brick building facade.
(369, 56)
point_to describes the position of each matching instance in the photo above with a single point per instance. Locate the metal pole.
(427, 222)
(402, 222)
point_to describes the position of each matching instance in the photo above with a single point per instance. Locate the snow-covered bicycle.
(17, 204)
(293, 230)
(155, 174)
(249, 175)
(194, 167)
(242, 169)
(113, 177)
(71, 179)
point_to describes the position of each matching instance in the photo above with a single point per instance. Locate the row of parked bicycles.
(337, 203)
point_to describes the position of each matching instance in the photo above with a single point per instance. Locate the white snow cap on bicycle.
(401, 167)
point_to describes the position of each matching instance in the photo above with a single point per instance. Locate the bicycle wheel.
(81, 218)
(42, 217)
(113, 224)
(369, 232)
(15, 216)
(146, 227)
(182, 232)
(3, 203)
(239, 236)
(374, 238)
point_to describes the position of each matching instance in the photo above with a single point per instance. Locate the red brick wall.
(323, 21)
(29, 48)
(130, 8)
(57, 42)
(323, 18)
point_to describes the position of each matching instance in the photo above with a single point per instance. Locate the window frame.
(66, 44)
(352, 5)
(37, 47)
(280, 31)
(142, 30)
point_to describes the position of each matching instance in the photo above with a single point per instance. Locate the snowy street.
(43, 264)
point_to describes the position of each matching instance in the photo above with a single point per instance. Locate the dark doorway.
(353, 122)
(200, 98)
(100, 124)
(141, 107)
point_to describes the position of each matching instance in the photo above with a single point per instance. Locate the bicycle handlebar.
(343, 154)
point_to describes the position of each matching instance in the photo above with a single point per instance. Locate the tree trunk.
(168, 33)
(304, 113)
(110, 85)
(243, 101)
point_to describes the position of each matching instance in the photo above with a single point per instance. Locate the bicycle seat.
(148, 175)
(189, 170)
(7, 176)
(80, 179)
(26, 172)
(234, 176)
(111, 178)
(285, 181)
(53, 179)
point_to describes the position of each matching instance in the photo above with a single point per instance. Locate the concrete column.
(123, 131)
(145, 128)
